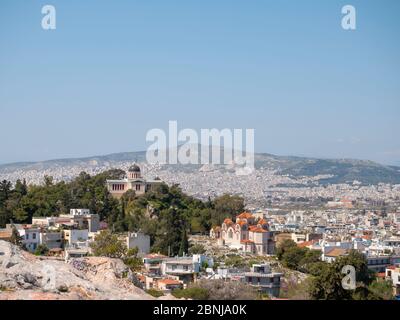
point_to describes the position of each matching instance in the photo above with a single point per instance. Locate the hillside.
(28, 277)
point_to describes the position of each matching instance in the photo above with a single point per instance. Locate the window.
(118, 187)
(34, 236)
(138, 187)
(27, 236)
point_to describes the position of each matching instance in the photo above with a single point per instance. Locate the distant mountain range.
(341, 170)
(335, 170)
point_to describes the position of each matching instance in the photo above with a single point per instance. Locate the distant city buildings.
(268, 188)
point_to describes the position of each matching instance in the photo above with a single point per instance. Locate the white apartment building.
(393, 274)
(75, 236)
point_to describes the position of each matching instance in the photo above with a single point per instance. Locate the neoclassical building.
(249, 233)
(133, 181)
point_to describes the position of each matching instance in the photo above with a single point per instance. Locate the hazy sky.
(112, 70)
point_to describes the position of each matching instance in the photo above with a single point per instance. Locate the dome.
(134, 168)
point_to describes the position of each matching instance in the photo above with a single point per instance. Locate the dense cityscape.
(330, 221)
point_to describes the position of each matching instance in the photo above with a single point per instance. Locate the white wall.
(139, 240)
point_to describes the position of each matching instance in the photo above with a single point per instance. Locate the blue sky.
(112, 70)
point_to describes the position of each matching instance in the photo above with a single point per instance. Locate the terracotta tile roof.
(246, 241)
(242, 223)
(305, 244)
(168, 281)
(258, 230)
(262, 221)
(228, 221)
(337, 252)
(141, 278)
(245, 215)
(367, 237)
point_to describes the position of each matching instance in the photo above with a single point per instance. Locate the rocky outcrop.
(25, 276)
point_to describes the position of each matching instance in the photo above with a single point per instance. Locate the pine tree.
(184, 247)
(21, 188)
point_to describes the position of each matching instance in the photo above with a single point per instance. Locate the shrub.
(197, 249)
(195, 293)
(217, 290)
(63, 288)
(41, 250)
(155, 293)
(108, 245)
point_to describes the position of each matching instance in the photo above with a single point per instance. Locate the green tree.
(293, 256)
(21, 188)
(382, 289)
(15, 239)
(41, 250)
(184, 247)
(197, 249)
(328, 284)
(48, 181)
(155, 293)
(283, 247)
(132, 260)
(107, 244)
(20, 215)
(5, 190)
(226, 206)
(194, 293)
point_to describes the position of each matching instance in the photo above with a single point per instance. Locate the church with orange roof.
(249, 232)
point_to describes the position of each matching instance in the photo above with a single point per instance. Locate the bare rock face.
(25, 276)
